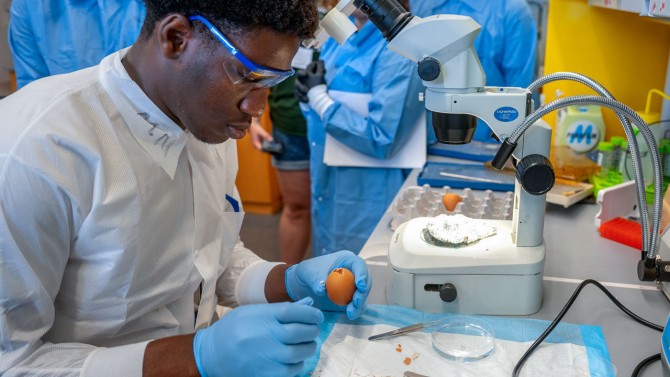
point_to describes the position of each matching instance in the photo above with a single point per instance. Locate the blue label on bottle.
(582, 136)
(506, 114)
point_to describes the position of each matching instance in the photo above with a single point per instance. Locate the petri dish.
(464, 339)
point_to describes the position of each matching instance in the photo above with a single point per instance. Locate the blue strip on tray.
(431, 176)
(474, 151)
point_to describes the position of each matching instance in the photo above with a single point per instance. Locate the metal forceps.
(408, 329)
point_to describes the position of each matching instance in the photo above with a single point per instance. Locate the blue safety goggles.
(252, 73)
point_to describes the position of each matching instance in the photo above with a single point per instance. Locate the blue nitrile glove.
(308, 279)
(259, 340)
(305, 79)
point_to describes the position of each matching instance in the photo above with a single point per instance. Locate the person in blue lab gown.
(506, 44)
(50, 37)
(348, 202)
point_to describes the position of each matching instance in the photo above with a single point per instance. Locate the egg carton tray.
(426, 201)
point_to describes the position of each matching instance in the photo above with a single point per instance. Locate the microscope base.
(491, 277)
(477, 294)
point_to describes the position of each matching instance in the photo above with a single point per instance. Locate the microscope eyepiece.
(388, 15)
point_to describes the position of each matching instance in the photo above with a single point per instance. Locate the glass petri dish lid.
(464, 339)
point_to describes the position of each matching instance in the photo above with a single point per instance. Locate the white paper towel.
(348, 352)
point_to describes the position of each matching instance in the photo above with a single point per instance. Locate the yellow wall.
(626, 53)
(256, 178)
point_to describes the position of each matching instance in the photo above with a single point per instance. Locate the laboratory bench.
(574, 252)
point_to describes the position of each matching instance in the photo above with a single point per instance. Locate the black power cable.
(643, 364)
(554, 323)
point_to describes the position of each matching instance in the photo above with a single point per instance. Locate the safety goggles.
(252, 73)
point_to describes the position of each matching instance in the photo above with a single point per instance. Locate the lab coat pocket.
(212, 261)
(231, 223)
(206, 258)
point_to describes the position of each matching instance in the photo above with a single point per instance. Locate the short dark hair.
(292, 17)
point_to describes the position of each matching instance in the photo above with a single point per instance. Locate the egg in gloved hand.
(340, 286)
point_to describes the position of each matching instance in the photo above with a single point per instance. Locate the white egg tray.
(426, 201)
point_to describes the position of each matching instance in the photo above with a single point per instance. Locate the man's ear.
(174, 33)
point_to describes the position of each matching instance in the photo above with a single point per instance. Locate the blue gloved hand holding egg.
(308, 279)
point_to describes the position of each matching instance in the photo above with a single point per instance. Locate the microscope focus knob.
(448, 292)
(429, 69)
(535, 174)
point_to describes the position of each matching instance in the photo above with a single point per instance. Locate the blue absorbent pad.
(665, 340)
(474, 151)
(522, 330)
(484, 179)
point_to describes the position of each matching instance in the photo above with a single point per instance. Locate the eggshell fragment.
(340, 286)
(450, 200)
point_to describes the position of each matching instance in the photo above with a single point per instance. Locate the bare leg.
(295, 220)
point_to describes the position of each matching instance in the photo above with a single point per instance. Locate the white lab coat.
(110, 218)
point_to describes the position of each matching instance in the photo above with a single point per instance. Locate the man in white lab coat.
(118, 205)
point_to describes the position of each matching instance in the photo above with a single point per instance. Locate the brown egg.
(340, 286)
(450, 200)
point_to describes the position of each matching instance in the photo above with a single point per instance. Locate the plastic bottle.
(593, 154)
(665, 157)
(645, 160)
(619, 152)
(624, 154)
(606, 157)
(580, 128)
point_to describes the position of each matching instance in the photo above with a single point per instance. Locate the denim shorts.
(296, 152)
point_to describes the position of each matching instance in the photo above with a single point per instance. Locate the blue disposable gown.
(348, 202)
(506, 44)
(49, 37)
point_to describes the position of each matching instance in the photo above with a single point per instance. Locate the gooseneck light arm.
(648, 255)
(630, 135)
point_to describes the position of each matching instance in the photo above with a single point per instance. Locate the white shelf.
(633, 6)
(656, 9)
